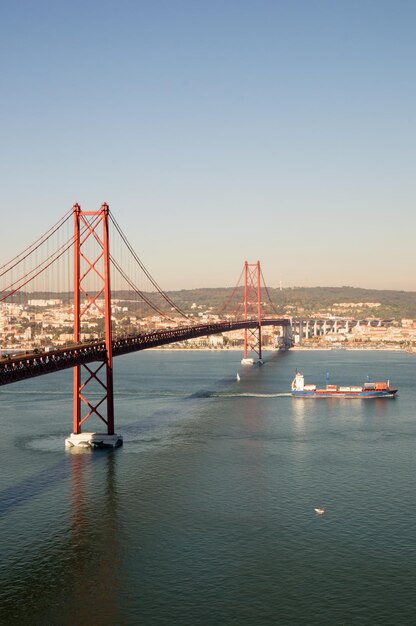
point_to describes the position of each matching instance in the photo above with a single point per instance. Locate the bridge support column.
(300, 331)
(252, 296)
(92, 266)
(287, 336)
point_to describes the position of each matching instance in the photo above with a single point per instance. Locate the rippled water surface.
(206, 514)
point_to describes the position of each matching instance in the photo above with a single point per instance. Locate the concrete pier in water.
(93, 440)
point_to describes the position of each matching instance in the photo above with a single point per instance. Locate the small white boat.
(238, 377)
(319, 510)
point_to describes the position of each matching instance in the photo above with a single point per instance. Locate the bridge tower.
(92, 294)
(252, 307)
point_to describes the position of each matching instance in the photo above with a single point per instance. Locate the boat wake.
(250, 395)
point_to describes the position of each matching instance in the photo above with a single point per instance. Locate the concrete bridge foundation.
(93, 440)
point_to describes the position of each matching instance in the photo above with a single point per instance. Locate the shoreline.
(293, 349)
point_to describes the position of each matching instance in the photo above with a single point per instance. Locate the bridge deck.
(22, 367)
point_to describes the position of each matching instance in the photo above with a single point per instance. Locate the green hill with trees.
(296, 301)
(312, 300)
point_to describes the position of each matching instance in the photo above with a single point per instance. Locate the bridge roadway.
(24, 366)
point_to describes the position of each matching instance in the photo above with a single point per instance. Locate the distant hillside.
(289, 301)
(308, 300)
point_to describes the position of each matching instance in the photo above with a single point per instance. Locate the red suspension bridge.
(72, 267)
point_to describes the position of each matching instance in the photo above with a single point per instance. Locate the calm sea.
(206, 515)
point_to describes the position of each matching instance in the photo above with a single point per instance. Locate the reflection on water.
(298, 412)
(78, 555)
(355, 409)
(94, 540)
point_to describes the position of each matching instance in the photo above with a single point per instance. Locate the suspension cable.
(268, 294)
(35, 245)
(152, 280)
(39, 269)
(230, 298)
(140, 293)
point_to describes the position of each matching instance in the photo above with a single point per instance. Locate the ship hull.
(324, 393)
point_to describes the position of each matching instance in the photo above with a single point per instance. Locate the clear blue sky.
(218, 131)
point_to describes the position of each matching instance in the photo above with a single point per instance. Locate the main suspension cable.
(35, 245)
(230, 298)
(268, 294)
(140, 293)
(143, 268)
(40, 268)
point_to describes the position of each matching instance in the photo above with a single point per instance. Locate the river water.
(206, 515)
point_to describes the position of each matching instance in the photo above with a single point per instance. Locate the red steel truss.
(92, 260)
(252, 307)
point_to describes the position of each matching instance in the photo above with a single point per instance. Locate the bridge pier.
(93, 440)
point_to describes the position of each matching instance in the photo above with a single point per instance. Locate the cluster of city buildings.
(42, 323)
(39, 323)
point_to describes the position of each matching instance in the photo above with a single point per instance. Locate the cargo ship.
(367, 390)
